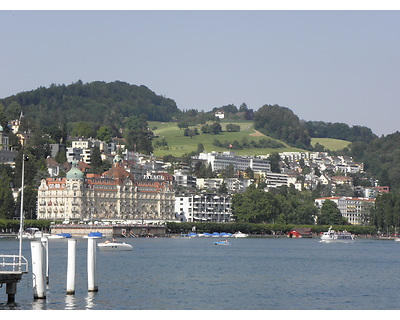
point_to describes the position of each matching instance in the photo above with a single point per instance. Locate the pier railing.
(13, 263)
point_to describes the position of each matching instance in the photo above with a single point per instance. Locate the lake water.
(194, 274)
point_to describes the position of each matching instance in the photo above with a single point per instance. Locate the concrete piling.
(45, 245)
(38, 270)
(71, 267)
(91, 266)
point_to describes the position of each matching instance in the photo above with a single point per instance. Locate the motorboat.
(193, 235)
(222, 243)
(59, 236)
(114, 246)
(333, 236)
(94, 235)
(26, 235)
(40, 235)
(226, 235)
(240, 235)
(32, 234)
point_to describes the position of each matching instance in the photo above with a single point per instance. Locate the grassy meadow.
(178, 144)
(330, 144)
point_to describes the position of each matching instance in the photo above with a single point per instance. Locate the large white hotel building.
(114, 195)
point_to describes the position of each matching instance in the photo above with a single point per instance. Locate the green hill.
(330, 144)
(97, 102)
(179, 145)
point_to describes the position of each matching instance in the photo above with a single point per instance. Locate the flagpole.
(21, 217)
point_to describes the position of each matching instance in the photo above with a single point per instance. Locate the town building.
(114, 195)
(184, 180)
(207, 207)
(220, 161)
(354, 210)
(7, 156)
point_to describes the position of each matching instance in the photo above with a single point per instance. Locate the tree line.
(281, 123)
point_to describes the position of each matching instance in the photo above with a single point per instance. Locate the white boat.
(33, 233)
(240, 235)
(114, 246)
(26, 235)
(333, 236)
(40, 234)
(397, 239)
(94, 235)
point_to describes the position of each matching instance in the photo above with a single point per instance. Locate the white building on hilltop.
(221, 161)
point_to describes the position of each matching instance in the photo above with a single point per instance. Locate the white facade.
(355, 210)
(113, 195)
(204, 207)
(221, 161)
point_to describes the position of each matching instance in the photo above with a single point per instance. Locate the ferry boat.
(333, 236)
(114, 246)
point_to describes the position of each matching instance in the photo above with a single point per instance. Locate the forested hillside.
(103, 109)
(281, 123)
(381, 158)
(96, 102)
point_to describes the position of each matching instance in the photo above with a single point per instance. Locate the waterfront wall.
(110, 231)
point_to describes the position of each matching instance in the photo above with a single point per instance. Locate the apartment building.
(355, 210)
(204, 208)
(221, 161)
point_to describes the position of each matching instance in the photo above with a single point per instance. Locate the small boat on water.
(59, 236)
(222, 243)
(240, 235)
(114, 246)
(33, 233)
(94, 235)
(333, 236)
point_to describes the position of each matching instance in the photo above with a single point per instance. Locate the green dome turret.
(75, 173)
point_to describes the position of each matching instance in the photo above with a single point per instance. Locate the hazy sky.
(334, 66)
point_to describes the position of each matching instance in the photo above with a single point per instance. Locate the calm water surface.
(252, 273)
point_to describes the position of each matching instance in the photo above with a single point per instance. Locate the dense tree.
(213, 128)
(83, 129)
(96, 161)
(330, 214)
(342, 131)
(232, 127)
(281, 123)
(386, 212)
(274, 160)
(255, 206)
(7, 203)
(138, 135)
(104, 134)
